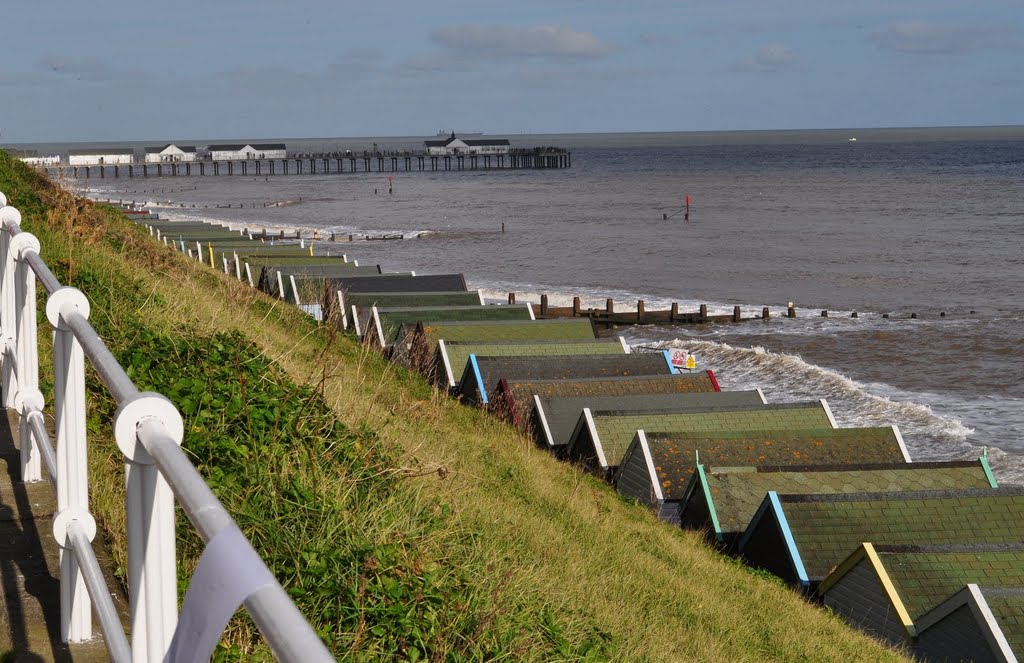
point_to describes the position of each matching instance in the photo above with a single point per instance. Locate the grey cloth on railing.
(229, 571)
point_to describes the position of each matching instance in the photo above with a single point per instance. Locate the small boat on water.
(852, 139)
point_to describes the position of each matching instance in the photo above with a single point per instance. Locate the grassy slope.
(549, 562)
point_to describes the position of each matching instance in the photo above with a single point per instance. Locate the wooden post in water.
(790, 310)
(736, 317)
(575, 307)
(609, 306)
(764, 313)
(703, 312)
(511, 298)
(543, 304)
(824, 314)
(639, 310)
(673, 313)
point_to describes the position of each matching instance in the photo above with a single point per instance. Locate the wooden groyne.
(609, 317)
(538, 158)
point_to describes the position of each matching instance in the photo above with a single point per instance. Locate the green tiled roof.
(1007, 606)
(258, 249)
(617, 429)
(400, 299)
(562, 413)
(322, 271)
(738, 492)
(924, 577)
(212, 236)
(392, 318)
(522, 391)
(291, 261)
(511, 330)
(824, 446)
(399, 283)
(458, 353)
(310, 286)
(827, 528)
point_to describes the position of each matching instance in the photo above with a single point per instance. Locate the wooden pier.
(541, 158)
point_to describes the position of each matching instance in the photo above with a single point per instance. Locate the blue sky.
(115, 70)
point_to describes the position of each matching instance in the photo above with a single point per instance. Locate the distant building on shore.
(247, 151)
(96, 156)
(453, 145)
(170, 152)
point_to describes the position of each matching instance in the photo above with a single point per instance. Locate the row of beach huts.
(928, 556)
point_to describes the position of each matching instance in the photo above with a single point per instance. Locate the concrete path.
(30, 596)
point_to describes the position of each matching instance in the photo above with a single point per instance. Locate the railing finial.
(143, 406)
(10, 216)
(62, 299)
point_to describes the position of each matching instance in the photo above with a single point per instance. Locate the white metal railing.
(148, 429)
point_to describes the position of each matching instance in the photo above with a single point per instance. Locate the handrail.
(148, 430)
(34, 418)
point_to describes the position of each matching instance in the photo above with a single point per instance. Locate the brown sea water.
(897, 222)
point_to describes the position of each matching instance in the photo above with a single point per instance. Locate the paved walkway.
(30, 596)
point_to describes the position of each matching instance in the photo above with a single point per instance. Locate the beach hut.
(385, 322)
(389, 283)
(415, 344)
(887, 590)
(601, 438)
(364, 300)
(453, 361)
(555, 418)
(513, 394)
(723, 500)
(800, 538)
(978, 623)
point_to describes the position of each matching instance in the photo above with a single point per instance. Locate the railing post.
(28, 351)
(8, 217)
(72, 461)
(152, 571)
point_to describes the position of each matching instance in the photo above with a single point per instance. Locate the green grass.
(404, 525)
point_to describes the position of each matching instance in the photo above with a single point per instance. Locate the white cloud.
(503, 41)
(774, 57)
(919, 38)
